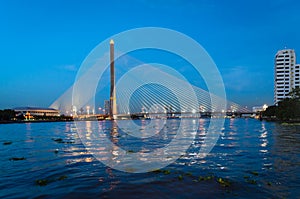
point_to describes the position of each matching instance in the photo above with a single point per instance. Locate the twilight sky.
(43, 43)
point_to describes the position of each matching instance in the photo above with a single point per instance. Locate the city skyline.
(44, 43)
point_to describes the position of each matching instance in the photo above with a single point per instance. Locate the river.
(251, 159)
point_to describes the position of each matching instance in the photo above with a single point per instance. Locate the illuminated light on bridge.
(159, 96)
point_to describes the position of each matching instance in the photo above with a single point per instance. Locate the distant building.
(35, 111)
(256, 109)
(286, 74)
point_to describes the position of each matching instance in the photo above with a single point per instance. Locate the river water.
(251, 159)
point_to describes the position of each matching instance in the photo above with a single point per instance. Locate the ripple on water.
(260, 159)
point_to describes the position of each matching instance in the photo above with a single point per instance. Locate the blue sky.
(43, 43)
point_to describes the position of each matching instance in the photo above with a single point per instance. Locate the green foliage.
(295, 93)
(180, 177)
(270, 111)
(224, 182)
(287, 109)
(46, 181)
(7, 114)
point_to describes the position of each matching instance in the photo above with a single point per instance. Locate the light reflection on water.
(260, 159)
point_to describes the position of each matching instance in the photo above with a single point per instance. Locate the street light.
(88, 109)
(265, 107)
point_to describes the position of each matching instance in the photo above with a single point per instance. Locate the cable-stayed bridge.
(150, 90)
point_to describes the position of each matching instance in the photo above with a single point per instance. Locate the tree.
(7, 114)
(295, 93)
(270, 111)
(287, 109)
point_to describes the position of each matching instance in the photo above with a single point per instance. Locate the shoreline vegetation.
(287, 110)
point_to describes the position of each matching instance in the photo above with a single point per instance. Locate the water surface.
(253, 158)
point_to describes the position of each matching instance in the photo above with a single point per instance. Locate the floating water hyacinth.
(188, 174)
(251, 181)
(180, 177)
(201, 178)
(46, 181)
(7, 143)
(224, 182)
(61, 141)
(17, 158)
(42, 182)
(254, 173)
(166, 172)
(62, 177)
(58, 140)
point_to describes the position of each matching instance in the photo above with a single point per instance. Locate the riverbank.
(284, 122)
(274, 119)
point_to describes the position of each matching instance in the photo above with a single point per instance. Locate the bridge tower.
(113, 103)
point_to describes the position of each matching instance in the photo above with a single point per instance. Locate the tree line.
(287, 109)
(7, 114)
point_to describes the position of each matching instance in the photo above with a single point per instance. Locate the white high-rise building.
(286, 74)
